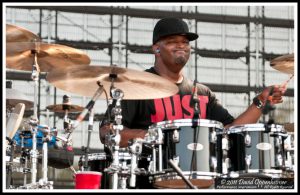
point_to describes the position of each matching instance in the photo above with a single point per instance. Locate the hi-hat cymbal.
(289, 127)
(18, 34)
(62, 107)
(19, 56)
(135, 84)
(284, 64)
(13, 97)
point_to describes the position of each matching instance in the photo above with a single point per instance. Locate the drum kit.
(179, 157)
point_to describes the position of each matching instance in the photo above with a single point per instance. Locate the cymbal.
(13, 97)
(289, 127)
(135, 84)
(284, 64)
(18, 34)
(19, 56)
(62, 107)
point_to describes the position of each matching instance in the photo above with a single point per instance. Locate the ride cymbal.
(284, 64)
(60, 108)
(18, 34)
(20, 56)
(135, 84)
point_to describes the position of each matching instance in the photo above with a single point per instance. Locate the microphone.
(88, 107)
(268, 106)
(14, 120)
(195, 101)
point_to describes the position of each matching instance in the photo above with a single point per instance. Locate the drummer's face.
(174, 51)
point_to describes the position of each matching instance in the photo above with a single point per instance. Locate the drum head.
(180, 184)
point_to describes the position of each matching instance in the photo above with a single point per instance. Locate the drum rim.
(259, 171)
(251, 127)
(198, 174)
(188, 122)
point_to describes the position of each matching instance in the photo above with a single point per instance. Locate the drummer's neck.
(175, 77)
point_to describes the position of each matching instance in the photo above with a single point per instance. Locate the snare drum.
(256, 149)
(195, 144)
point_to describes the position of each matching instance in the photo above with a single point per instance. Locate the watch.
(257, 102)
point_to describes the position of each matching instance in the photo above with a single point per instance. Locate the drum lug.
(279, 160)
(213, 164)
(225, 166)
(277, 142)
(176, 160)
(248, 159)
(213, 137)
(248, 140)
(151, 167)
(225, 145)
(175, 136)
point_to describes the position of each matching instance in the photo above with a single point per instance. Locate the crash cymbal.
(13, 97)
(284, 64)
(135, 84)
(62, 107)
(18, 34)
(19, 56)
(289, 127)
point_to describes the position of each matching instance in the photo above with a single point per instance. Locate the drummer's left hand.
(276, 97)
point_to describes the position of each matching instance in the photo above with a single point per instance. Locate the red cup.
(88, 180)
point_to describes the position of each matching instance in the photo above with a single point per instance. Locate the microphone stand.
(90, 129)
(195, 103)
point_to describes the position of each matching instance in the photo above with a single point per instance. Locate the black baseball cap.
(172, 26)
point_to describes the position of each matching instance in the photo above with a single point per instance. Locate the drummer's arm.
(126, 134)
(253, 113)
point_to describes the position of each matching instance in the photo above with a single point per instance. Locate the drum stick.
(178, 170)
(284, 84)
(72, 169)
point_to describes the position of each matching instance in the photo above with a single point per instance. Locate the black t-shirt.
(143, 113)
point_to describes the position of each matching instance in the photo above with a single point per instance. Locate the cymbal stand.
(87, 148)
(117, 94)
(67, 121)
(10, 151)
(34, 152)
(66, 107)
(114, 140)
(135, 149)
(34, 121)
(25, 156)
(46, 138)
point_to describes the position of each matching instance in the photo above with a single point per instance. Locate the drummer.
(171, 47)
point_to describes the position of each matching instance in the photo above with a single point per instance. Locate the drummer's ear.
(155, 49)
